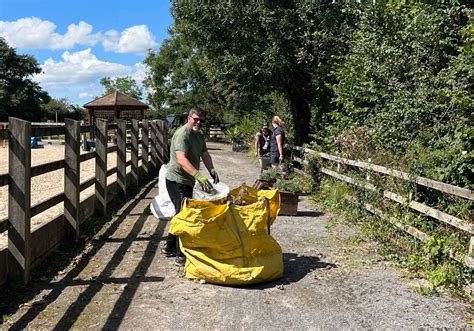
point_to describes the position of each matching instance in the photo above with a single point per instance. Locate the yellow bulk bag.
(230, 244)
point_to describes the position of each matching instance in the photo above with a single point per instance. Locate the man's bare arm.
(185, 164)
(207, 160)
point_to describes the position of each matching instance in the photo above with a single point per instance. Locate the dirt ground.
(333, 279)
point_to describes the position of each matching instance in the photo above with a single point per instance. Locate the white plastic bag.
(221, 190)
(161, 206)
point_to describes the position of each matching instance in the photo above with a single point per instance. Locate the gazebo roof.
(115, 99)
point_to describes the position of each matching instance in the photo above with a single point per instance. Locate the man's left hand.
(214, 176)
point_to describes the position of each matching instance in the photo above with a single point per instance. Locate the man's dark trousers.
(177, 193)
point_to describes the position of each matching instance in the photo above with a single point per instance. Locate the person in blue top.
(277, 142)
(187, 148)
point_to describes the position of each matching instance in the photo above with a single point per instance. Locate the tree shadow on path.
(95, 285)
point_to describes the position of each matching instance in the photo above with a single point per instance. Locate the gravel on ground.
(333, 279)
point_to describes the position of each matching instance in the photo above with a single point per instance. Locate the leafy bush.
(313, 169)
(270, 175)
(288, 185)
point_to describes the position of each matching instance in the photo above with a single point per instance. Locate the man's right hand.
(204, 182)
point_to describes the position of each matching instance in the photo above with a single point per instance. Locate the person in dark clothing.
(262, 146)
(187, 148)
(277, 142)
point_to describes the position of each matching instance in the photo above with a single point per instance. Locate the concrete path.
(333, 279)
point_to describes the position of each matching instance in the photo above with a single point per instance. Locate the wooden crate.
(288, 203)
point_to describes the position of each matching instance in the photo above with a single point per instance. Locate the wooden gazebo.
(114, 106)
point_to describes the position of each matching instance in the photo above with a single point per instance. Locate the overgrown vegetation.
(390, 83)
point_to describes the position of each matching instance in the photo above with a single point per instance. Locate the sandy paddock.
(51, 183)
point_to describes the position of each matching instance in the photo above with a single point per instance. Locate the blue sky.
(77, 42)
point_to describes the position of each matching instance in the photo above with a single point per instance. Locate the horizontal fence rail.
(129, 138)
(460, 224)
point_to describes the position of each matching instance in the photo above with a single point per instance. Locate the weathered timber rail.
(464, 225)
(26, 248)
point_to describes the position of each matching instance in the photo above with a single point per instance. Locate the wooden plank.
(87, 183)
(469, 260)
(46, 204)
(422, 208)
(47, 167)
(440, 186)
(112, 149)
(145, 146)
(162, 142)
(134, 152)
(111, 171)
(3, 180)
(87, 128)
(101, 167)
(349, 179)
(122, 158)
(47, 131)
(46, 239)
(87, 156)
(3, 134)
(4, 225)
(3, 265)
(154, 147)
(432, 212)
(72, 169)
(405, 227)
(420, 235)
(166, 150)
(19, 199)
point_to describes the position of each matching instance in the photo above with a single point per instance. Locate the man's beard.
(196, 129)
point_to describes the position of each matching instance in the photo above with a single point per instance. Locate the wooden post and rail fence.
(26, 248)
(467, 226)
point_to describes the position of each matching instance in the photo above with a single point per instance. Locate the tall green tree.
(407, 80)
(177, 78)
(59, 109)
(20, 96)
(126, 85)
(256, 48)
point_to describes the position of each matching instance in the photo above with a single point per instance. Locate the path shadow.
(309, 213)
(214, 149)
(296, 267)
(95, 285)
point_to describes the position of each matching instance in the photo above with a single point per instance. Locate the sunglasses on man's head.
(198, 119)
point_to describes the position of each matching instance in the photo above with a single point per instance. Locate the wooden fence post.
(154, 147)
(135, 173)
(470, 254)
(122, 157)
(19, 199)
(72, 168)
(162, 142)
(101, 167)
(166, 149)
(145, 146)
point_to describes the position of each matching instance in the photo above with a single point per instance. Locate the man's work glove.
(214, 175)
(204, 182)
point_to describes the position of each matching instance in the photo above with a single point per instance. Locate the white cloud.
(34, 33)
(78, 67)
(76, 76)
(136, 39)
